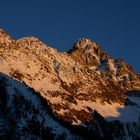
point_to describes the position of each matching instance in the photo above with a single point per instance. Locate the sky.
(113, 24)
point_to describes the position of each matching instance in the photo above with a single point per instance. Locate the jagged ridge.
(70, 82)
(73, 84)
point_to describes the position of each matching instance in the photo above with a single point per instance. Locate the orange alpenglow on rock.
(73, 84)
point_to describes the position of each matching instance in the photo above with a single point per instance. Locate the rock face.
(73, 84)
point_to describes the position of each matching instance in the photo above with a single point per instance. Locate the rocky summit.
(80, 94)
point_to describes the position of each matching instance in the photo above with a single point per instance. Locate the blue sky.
(114, 24)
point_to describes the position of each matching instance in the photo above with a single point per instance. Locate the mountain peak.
(85, 44)
(2, 31)
(85, 88)
(67, 81)
(29, 40)
(5, 39)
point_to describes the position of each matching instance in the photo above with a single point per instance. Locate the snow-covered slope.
(24, 115)
(73, 83)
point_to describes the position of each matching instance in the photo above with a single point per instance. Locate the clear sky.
(114, 24)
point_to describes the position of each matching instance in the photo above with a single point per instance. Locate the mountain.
(80, 94)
